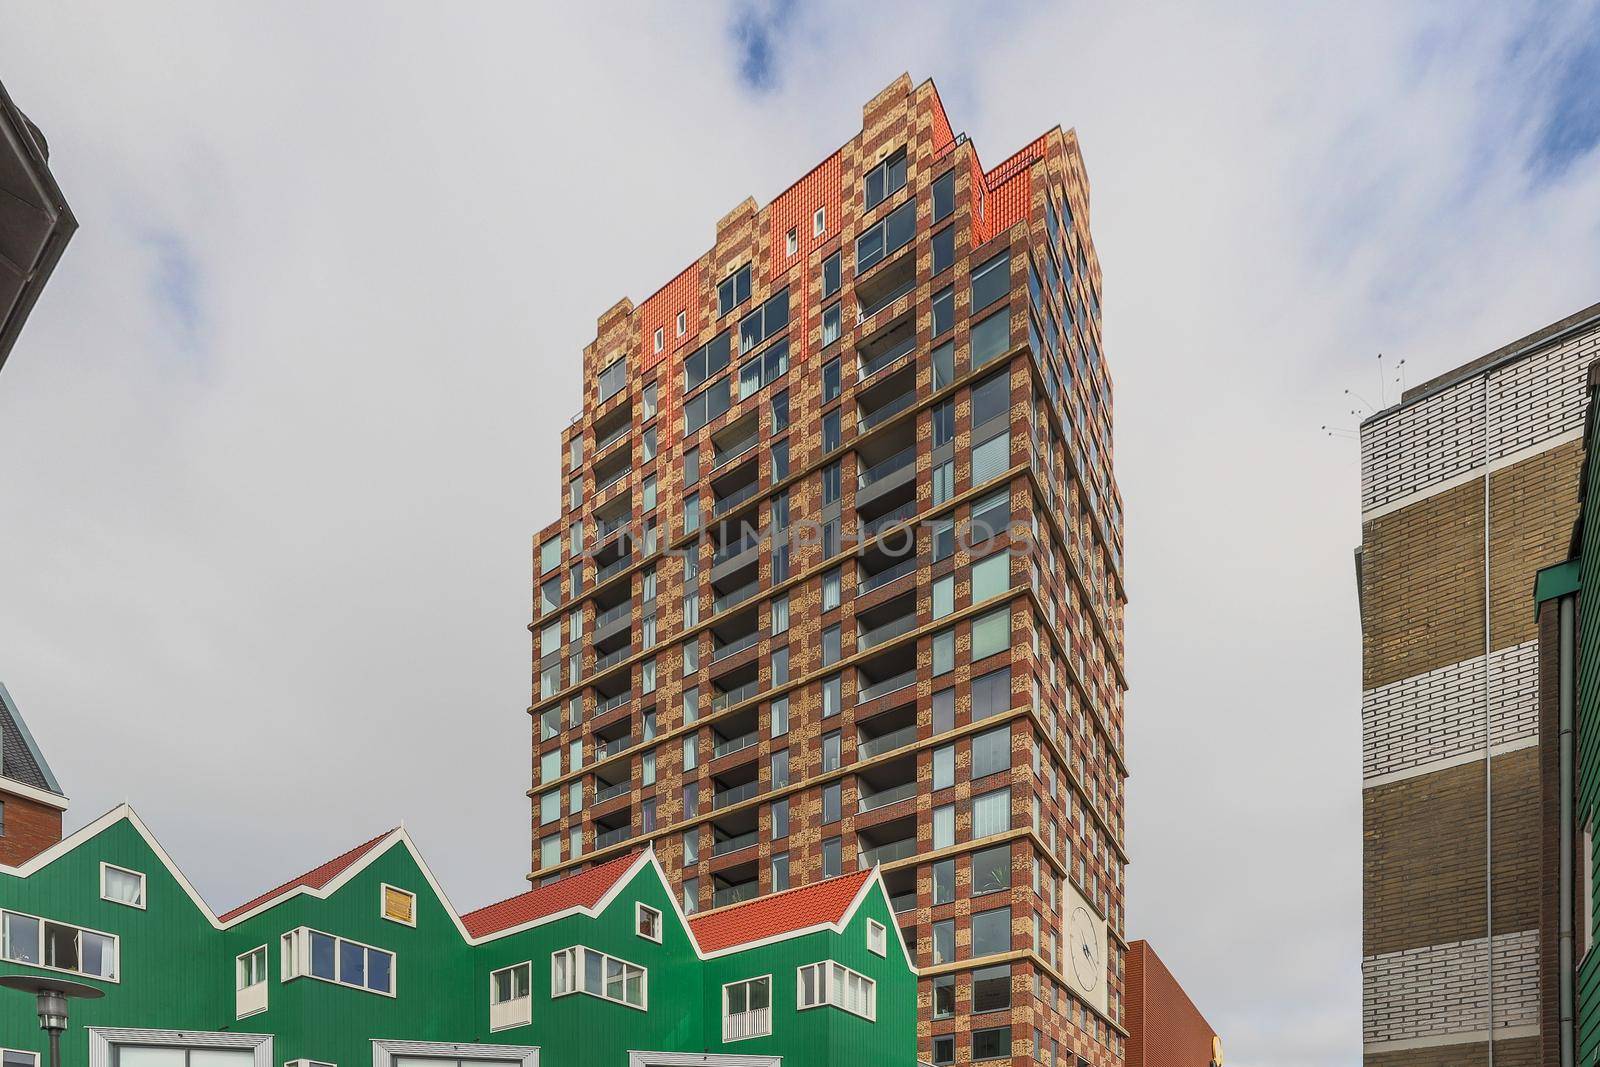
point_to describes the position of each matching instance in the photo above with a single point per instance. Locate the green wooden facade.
(177, 969)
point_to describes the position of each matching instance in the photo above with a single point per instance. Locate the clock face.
(1084, 949)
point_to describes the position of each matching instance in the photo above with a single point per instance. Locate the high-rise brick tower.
(837, 580)
(1468, 487)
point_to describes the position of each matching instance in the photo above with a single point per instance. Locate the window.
(780, 716)
(991, 870)
(944, 481)
(511, 996)
(887, 237)
(991, 752)
(780, 809)
(991, 931)
(991, 337)
(991, 813)
(734, 290)
(310, 953)
(819, 221)
(944, 1050)
(944, 195)
(943, 417)
(647, 922)
(705, 362)
(400, 905)
(990, 282)
(660, 339)
(832, 795)
(707, 406)
(830, 327)
(683, 323)
(830, 752)
(832, 858)
(613, 378)
(944, 826)
(647, 402)
(944, 652)
(944, 596)
(944, 767)
(991, 634)
(764, 369)
(764, 322)
(791, 242)
(583, 970)
(944, 249)
(691, 895)
(550, 555)
(691, 848)
(877, 938)
(830, 275)
(991, 399)
(747, 1009)
(944, 881)
(837, 985)
(944, 996)
(832, 692)
(780, 410)
(991, 694)
(121, 886)
(991, 989)
(885, 179)
(10, 1057)
(780, 872)
(250, 987)
(832, 433)
(944, 310)
(991, 576)
(993, 1043)
(990, 516)
(944, 941)
(37, 942)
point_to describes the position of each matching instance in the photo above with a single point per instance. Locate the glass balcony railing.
(611, 748)
(736, 744)
(721, 457)
(883, 359)
(612, 837)
(612, 792)
(733, 549)
(734, 894)
(735, 795)
(733, 648)
(888, 685)
(613, 437)
(734, 499)
(882, 469)
(883, 578)
(872, 529)
(611, 659)
(903, 902)
(893, 407)
(613, 480)
(610, 704)
(615, 567)
(734, 844)
(738, 596)
(887, 632)
(734, 696)
(611, 615)
(888, 742)
(884, 797)
(888, 853)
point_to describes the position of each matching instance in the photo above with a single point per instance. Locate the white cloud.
(266, 572)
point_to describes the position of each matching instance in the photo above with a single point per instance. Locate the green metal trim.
(1556, 580)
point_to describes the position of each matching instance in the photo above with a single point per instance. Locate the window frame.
(300, 961)
(115, 939)
(573, 952)
(528, 996)
(876, 931)
(383, 904)
(640, 908)
(827, 993)
(144, 886)
(771, 989)
(819, 221)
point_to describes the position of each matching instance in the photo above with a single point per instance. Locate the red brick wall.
(30, 828)
(1165, 1029)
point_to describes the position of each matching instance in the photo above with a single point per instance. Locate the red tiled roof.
(578, 890)
(777, 913)
(315, 878)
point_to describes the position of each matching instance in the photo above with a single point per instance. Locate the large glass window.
(884, 180)
(734, 290)
(991, 752)
(312, 954)
(991, 337)
(583, 970)
(944, 249)
(830, 275)
(991, 633)
(764, 322)
(747, 1009)
(887, 237)
(707, 406)
(991, 576)
(613, 378)
(991, 870)
(833, 983)
(764, 369)
(991, 694)
(991, 932)
(990, 282)
(991, 989)
(37, 942)
(993, 1043)
(944, 195)
(703, 363)
(991, 813)
(991, 399)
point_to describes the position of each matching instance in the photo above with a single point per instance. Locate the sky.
(276, 437)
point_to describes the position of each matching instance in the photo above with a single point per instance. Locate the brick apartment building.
(1469, 486)
(31, 800)
(1165, 1029)
(837, 579)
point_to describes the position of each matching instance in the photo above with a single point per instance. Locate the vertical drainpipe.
(1488, 733)
(1567, 672)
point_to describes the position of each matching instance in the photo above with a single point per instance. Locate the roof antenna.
(1357, 396)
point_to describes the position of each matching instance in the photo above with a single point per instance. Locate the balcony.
(886, 632)
(731, 745)
(734, 549)
(884, 285)
(886, 347)
(887, 468)
(904, 902)
(757, 1022)
(886, 620)
(734, 795)
(605, 705)
(612, 621)
(605, 838)
(722, 846)
(884, 468)
(612, 477)
(886, 398)
(613, 747)
(877, 746)
(886, 672)
(878, 580)
(904, 848)
(869, 530)
(612, 437)
(721, 651)
(611, 792)
(611, 659)
(882, 798)
(612, 569)
(733, 696)
(736, 597)
(733, 442)
(735, 894)
(724, 504)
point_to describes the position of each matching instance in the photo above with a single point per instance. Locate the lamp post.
(52, 995)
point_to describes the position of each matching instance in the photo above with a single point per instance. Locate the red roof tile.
(578, 890)
(777, 913)
(315, 878)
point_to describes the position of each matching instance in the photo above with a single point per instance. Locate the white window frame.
(308, 1063)
(819, 221)
(295, 960)
(660, 338)
(771, 989)
(640, 908)
(575, 955)
(383, 906)
(104, 1040)
(877, 938)
(19, 1052)
(240, 1010)
(830, 995)
(144, 885)
(683, 323)
(384, 1050)
(791, 241)
(528, 996)
(116, 947)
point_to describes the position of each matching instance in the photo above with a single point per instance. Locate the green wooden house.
(363, 960)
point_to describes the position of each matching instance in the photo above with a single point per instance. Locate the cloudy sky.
(275, 439)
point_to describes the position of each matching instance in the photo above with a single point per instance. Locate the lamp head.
(51, 995)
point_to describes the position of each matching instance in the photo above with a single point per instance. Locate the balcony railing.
(735, 695)
(623, 473)
(883, 578)
(736, 744)
(883, 522)
(756, 1022)
(884, 797)
(604, 528)
(888, 742)
(903, 902)
(734, 795)
(734, 894)
(611, 748)
(737, 596)
(734, 549)
(733, 648)
(611, 615)
(893, 407)
(735, 843)
(882, 360)
(611, 659)
(615, 567)
(887, 632)
(612, 837)
(888, 853)
(734, 499)
(611, 704)
(612, 792)
(721, 457)
(888, 685)
(882, 469)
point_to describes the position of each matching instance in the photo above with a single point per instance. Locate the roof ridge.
(334, 867)
(630, 858)
(717, 913)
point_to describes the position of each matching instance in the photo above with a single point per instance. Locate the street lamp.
(52, 994)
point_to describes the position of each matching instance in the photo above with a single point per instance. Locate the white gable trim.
(33, 793)
(384, 1051)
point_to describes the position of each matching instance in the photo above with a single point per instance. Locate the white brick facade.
(1433, 442)
(1436, 718)
(1433, 994)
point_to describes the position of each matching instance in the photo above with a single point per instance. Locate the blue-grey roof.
(20, 758)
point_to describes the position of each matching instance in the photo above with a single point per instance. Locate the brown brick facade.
(30, 828)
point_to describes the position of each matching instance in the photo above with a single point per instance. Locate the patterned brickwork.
(1422, 720)
(1437, 991)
